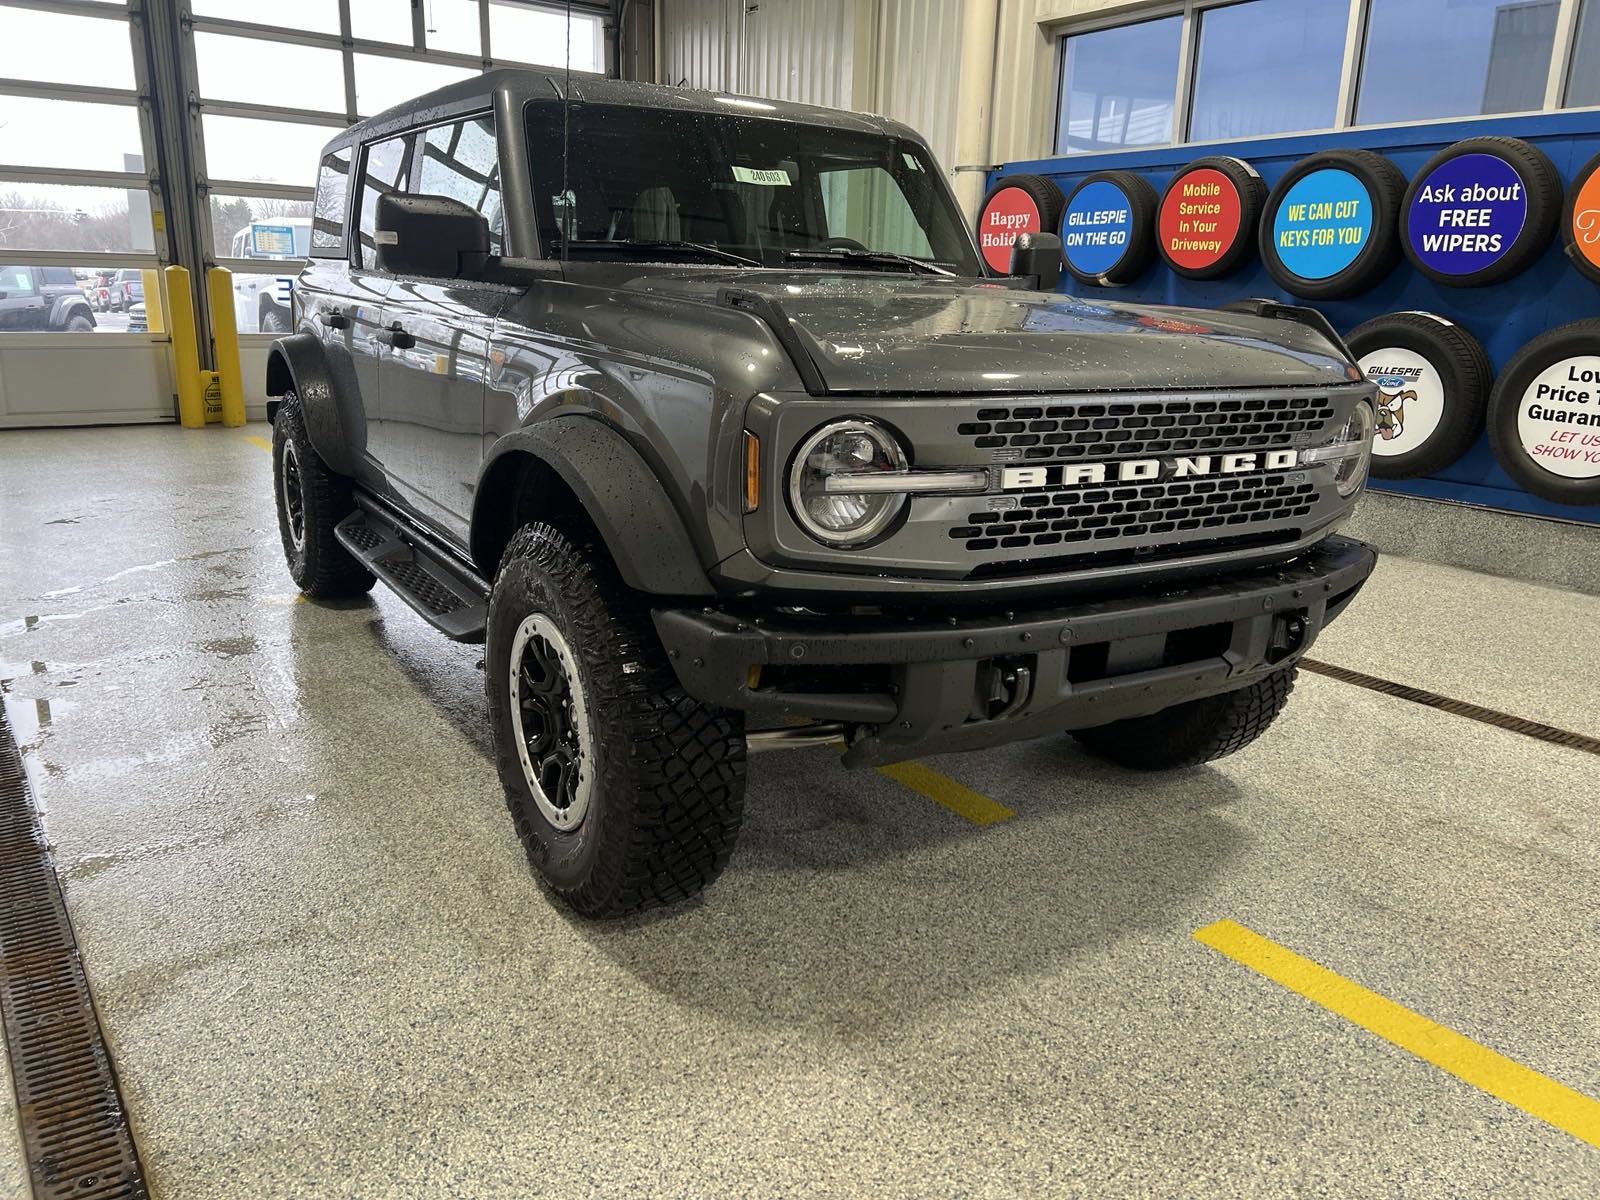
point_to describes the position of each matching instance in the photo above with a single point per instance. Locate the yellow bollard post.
(154, 321)
(225, 345)
(185, 348)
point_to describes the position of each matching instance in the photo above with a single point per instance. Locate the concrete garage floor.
(325, 970)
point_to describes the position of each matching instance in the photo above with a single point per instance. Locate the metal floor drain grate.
(1459, 708)
(74, 1130)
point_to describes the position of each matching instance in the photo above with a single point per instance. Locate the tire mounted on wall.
(1580, 227)
(1251, 192)
(1139, 250)
(1008, 194)
(1384, 185)
(1543, 192)
(1549, 441)
(1433, 379)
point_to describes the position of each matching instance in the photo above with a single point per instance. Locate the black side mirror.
(1034, 254)
(431, 236)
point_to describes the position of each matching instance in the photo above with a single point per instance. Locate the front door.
(430, 384)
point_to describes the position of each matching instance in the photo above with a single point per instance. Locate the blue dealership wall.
(1503, 316)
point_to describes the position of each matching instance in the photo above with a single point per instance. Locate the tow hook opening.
(1288, 636)
(1004, 685)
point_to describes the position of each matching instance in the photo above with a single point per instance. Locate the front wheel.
(312, 499)
(1195, 731)
(273, 320)
(626, 791)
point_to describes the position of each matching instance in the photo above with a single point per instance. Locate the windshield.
(732, 188)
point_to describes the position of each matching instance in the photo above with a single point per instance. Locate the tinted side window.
(327, 221)
(16, 281)
(385, 169)
(460, 161)
(59, 275)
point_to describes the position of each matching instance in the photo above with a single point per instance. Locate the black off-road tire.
(1542, 182)
(1252, 190)
(1195, 731)
(319, 565)
(79, 323)
(667, 795)
(1385, 185)
(273, 320)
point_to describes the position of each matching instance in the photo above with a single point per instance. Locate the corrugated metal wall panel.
(802, 50)
(1024, 77)
(919, 53)
(697, 42)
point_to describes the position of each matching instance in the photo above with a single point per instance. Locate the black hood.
(899, 334)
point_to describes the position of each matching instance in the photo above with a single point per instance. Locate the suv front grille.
(1180, 507)
(1145, 427)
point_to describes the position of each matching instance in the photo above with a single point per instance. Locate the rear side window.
(460, 161)
(327, 222)
(57, 275)
(385, 169)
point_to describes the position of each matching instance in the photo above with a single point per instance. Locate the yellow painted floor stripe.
(264, 443)
(1464, 1058)
(941, 789)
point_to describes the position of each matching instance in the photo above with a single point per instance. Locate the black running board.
(448, 596)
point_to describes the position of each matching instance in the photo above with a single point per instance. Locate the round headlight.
(1356, 437)
(834, 516)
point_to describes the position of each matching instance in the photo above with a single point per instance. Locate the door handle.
(334, 319)
(397, 337)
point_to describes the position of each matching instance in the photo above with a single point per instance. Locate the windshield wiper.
(866, 258)
(710, 251)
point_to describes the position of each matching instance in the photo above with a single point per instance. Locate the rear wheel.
(1195, 731)
(626, 791)
(312, 499)
(79, 323)
(273, 320)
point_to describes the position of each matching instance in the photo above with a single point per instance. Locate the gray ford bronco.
(704, 414)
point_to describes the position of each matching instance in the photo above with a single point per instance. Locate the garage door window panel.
(1267, 66)
(248, 149)
(35, 132)
(248, 70)
(386, 169)
(382, 82)
(53, 216)
(453, 27)
(381, 21)
(260, 227)
(460, 161)
(49, 47)
(309, 16)
(519, 33)
(1118, 86)
(1482, 56)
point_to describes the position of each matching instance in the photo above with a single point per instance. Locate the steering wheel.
(842, 243)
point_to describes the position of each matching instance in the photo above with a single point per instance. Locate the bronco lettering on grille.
(1136, 470)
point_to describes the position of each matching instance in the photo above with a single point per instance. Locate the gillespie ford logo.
(1136, 470)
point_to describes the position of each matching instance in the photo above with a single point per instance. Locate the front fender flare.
(325, 382)
(619, 492)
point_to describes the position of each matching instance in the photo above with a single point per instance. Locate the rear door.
(432, 374)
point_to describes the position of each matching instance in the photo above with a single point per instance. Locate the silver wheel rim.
(294, 496)
(550, 722)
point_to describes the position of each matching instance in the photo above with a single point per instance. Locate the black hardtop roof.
(520, 84)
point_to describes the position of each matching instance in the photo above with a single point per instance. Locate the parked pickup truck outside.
(703, 413)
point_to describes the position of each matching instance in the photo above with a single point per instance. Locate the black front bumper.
(930, 684)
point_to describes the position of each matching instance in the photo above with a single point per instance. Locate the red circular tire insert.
(1010, 211)
(1198, 223)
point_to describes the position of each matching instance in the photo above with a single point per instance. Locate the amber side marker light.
(752, 472)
